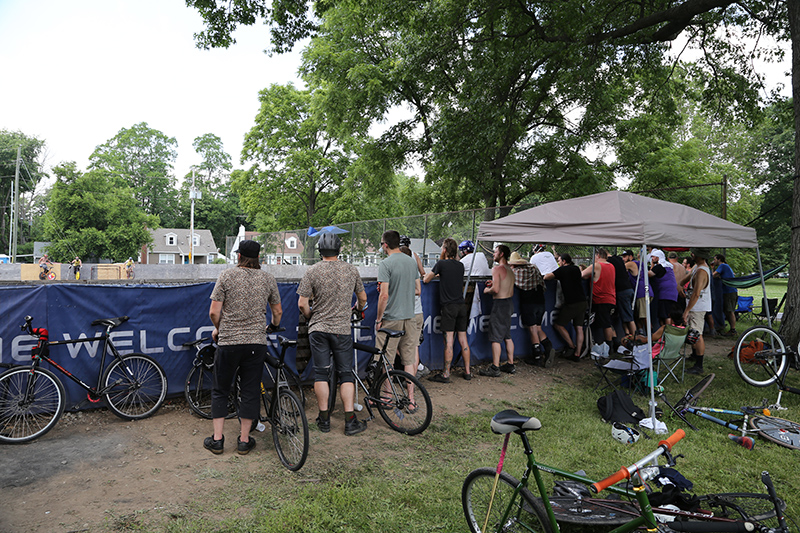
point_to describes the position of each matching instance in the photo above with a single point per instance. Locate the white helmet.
(623, 433)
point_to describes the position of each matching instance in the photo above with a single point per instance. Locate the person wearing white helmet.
(480, 266)
(544, 260)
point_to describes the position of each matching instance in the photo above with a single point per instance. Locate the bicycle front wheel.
(395, 392)
(134, 386)
(290, 430)
(780, 431)
(501, 511)
(30, 404)
(767, 364)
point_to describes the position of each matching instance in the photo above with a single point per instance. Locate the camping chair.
(769, 307)
(672, 354)
(627, 369)
(744, 308)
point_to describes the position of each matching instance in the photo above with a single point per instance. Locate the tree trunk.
(791, 329)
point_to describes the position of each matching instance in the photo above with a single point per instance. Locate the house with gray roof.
(173, 246)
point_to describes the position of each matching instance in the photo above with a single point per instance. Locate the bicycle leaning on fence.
(32, 398)
(496, 501)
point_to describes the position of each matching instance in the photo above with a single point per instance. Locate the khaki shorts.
(407, 344)
(419, 320)
(640, 310)
(696, 320)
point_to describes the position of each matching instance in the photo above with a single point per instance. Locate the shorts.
(641, 308)
(665, 308)
(500, 319)
(454, 317)
(419, 320)
(574, 312)
(248, 361)
(602, 315)
(729, 302)
(407, 344)
(327, 348)
(530, 311)
(625, 305)
(696, 321)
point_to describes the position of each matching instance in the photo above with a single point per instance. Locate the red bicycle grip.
(673, 439)
(610, 480)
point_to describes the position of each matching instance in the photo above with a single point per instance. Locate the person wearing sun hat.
(698, 302)
(530, 283)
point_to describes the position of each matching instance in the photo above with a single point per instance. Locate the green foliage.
(214, 171)
(31, 172)
(95, 216)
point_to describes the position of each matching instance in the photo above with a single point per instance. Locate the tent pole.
(643, 264)
(768, 311)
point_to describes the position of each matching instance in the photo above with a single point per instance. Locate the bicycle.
(387, 389)
(494, 500)
(46, 272)
(778, 430)
(32, 398)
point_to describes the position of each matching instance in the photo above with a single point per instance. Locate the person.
(238, 310)
(399, 283)
(604, 294)
(573, 308)
(530, 284)
(454, 311)
(76, 267)
(624, 288)
(698, 303)
(678, 269)
(129, 267)
(501, 287)
(44, 265)
(633, 265)
(419, 316)
(480, 266)
(330, 285)
(730, 296)
(666, 287)
(544, 260)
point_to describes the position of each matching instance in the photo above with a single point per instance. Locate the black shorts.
(665, 308)
(455, 317)
(530, 311)
(574, 312)
(602, 315)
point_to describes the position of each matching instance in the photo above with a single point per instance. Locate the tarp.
(745, 282)
(618, 218)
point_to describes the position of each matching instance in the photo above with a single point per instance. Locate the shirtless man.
(502, 290)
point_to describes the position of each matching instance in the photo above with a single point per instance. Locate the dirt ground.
(93, 466)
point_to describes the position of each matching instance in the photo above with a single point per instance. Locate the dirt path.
(94, 468)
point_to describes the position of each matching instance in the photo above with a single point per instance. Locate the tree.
(214, 171)
(143, 157)
(94, 216)
(31, 172)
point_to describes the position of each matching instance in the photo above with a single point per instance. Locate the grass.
(414, 485)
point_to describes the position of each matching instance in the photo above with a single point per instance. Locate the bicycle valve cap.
(747, 442)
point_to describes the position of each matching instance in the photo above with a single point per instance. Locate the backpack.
(617, 406)
(748, 352)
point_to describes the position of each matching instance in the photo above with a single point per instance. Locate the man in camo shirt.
(324, 297)
(239, 304)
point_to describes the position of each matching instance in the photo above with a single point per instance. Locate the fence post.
(425, 237)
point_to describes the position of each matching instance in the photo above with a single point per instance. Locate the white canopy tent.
(619, 218)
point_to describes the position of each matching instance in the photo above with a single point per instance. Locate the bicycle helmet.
(692, 336)
(623, 433)
(329, 244)
(538, 248)
(466, 246)
(207, 355)
(405, 240)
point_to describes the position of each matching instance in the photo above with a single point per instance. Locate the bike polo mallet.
(496, 478)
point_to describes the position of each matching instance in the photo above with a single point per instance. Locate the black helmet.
(329, 242)
(405, 240)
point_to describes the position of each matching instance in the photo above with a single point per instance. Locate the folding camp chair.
(626, 369)
(672, 354)
(769, 307)
(744, 308)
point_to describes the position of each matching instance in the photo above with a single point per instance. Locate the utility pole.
(12, 243)
(194, 194)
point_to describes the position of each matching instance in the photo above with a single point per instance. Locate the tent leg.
(768, 311)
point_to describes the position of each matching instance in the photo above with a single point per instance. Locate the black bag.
(617, 406)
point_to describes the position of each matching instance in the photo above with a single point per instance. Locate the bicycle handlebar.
(625, 472)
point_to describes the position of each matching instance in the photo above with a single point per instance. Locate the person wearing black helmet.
(330, 285)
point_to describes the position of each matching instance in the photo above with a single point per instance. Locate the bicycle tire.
(290, 430)
(767, 365)
(594, 511)
(23, 422)
(295, 385)
(527, 514)
(139, 386)
(197, 392)
(777, 430)
(690, 398)
(51, 275)
(333, 386)
(397, 410)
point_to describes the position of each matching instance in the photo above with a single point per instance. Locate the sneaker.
(353, 426)
(214, 446)
(490, 371)
(696, 370)
(508, 368)
(730, 333)
(468, 376)
(549, 359)
(570, 355)
(439, 378)
(243, 448)
(423, 371)
(323, 425)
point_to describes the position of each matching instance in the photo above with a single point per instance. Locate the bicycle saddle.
(392, 332)
(112, 322)
(510, 420)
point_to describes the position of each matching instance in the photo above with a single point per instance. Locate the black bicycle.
(400, 398)
(32, 398)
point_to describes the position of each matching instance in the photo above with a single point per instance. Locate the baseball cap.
(249, 248)
(627, 252)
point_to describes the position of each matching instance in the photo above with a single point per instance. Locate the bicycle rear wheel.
(136, 386)
(395, 405)
(197, 392)
(290, 430)
(592, 512)
(30, 403)
(526, 514)
(690, 398)
(780, 431)
(766, 365)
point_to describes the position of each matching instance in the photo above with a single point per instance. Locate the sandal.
(439, 378)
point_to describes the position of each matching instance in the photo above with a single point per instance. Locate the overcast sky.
(76, 72)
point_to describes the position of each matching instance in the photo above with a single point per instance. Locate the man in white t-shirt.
(544, 261)
(481, 266)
